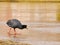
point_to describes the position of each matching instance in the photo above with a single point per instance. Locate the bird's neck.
(20, 27)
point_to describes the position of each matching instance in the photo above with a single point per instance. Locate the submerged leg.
(14, 31)
(9, 31)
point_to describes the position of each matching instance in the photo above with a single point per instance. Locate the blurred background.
(41, 16)
(35, 11)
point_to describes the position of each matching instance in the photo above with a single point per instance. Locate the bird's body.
(14, 23)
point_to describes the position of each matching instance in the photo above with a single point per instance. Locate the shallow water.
(35, 35)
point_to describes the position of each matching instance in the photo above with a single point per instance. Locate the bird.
(15, 23)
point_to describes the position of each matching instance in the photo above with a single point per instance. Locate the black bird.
(14, 23)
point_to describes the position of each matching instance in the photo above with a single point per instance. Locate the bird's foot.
(15, 33)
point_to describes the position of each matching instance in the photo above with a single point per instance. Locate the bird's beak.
(26, 28)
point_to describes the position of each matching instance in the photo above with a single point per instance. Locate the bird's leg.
(9, 31)
(14, 31)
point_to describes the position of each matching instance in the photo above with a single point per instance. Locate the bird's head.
(24, 26)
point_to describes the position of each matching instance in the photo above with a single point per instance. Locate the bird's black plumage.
(14, 23)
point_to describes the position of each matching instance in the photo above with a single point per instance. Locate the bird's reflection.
(15, 38)
(12, 35)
